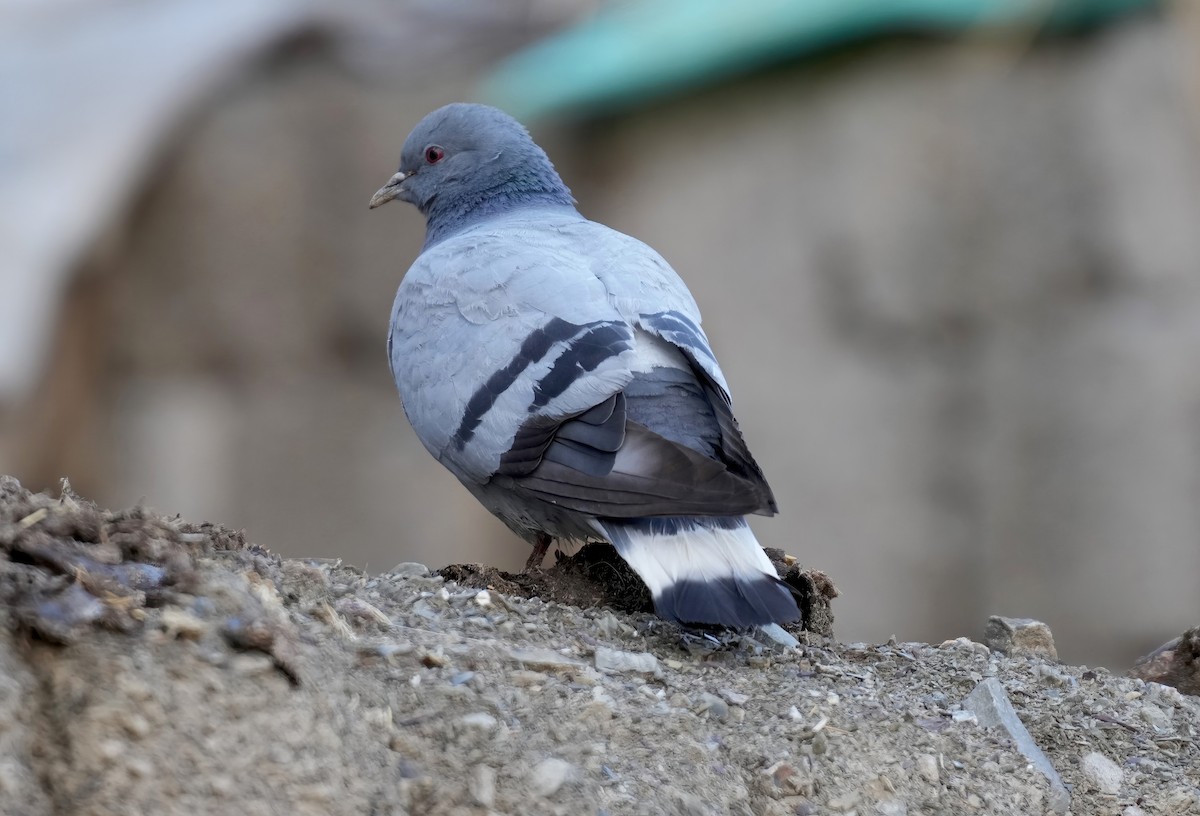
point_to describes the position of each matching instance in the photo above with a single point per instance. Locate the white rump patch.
(700, 554)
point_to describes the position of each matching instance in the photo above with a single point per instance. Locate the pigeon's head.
(466, 159)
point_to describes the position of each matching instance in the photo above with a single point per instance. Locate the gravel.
(232, 679)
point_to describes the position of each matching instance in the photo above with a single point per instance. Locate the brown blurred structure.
(1175, 663)
(955, 285)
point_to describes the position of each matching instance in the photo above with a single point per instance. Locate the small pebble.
(616, 661)
(479, 719)
(788, 780)
(778, 635)
(1101, 772)
(1155, 717)
(409, 569)
(222, 786)
(1180, 801)
(137, 726)
(935, 699)
(965, 644)
(549, 775)
(434, 660)
(179, 623)
(524, 678)
(927, 768)
(482, 785)
(248, 665)
(892, 807)
(1051, 676)
(544, 659)
(1164, 695)
(713, 705)
(112, 748)
(356, 609)
(140, 767)
(844, 802)
(1020, 637)
(732, 697)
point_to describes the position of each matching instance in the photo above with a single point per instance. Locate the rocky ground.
(150, 665)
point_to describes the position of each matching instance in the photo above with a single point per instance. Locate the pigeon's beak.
(388, 191)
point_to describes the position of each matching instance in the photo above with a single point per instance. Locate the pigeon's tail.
(704, 570)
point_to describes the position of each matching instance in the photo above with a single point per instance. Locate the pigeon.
(557, 367)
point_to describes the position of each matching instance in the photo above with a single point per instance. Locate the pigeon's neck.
(445, 219)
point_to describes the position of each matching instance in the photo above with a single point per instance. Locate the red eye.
(434, 154)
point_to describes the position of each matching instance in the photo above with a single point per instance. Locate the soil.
(152, 665)
(596, 576)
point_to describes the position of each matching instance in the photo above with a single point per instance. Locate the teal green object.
(634, 51)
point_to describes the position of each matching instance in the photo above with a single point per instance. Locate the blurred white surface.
(91, 92)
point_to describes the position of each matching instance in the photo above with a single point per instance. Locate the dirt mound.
(149, 665)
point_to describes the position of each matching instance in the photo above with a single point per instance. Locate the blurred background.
(948, 252)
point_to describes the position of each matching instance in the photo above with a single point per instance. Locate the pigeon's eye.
(434, 154)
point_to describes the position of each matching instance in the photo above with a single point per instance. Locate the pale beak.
(388, 191)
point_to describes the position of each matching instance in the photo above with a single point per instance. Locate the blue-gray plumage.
(558, 369)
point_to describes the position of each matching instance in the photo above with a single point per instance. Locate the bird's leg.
(540, 545)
